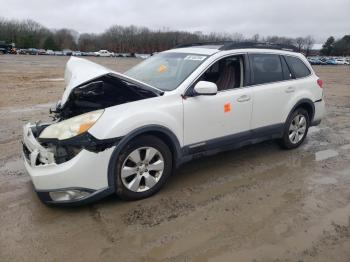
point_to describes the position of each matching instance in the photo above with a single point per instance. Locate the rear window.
(266, 68)
(297, 66)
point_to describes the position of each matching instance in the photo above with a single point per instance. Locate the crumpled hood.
(79, 71)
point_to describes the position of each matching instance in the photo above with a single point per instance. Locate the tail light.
(320, 82)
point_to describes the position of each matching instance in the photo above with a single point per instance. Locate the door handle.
(290, 89)
(243, 98)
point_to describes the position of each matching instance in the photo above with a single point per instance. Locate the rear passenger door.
(271, 90)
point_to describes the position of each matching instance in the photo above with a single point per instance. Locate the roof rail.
(203, 43)
(228, 45)
(260, 45)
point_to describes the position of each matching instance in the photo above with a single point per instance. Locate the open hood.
(90, 87)
(80, 71)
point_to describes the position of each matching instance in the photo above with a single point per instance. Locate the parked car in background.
(5, 48)
(41, 52)
(67, 52)
(76, 53)
(32, 51)
(59, 53)
(13, 51)
(125, 133)
(104, 53)
(50, 52)
(341, 61)
(331, 61)
(315, 61)
(142, 56)
(21, 51)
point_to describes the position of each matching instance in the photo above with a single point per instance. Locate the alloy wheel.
(297, 129)
(142, 169)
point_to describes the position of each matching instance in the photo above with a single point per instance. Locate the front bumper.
(86, 172)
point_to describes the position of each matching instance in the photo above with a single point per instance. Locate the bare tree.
(256, 38)
(300, 43)
(128, 39)
(309, 43)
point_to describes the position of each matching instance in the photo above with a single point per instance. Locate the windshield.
(166, 71)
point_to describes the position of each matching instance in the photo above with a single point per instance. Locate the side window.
(227, 73)
(287, 75)
(297, 66)
(266, 68)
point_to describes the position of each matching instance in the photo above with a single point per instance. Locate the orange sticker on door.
(227, 107)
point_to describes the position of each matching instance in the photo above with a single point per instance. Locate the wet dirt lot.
(258, 203)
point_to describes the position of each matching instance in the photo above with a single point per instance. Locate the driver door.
(211, 120)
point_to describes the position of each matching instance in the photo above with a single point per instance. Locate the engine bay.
(100, 93)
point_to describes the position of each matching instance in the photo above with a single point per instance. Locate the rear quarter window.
(297, 66)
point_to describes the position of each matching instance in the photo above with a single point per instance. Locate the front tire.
(296, 129)
(142, 168)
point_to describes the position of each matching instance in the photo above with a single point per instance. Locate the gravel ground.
(258, 203)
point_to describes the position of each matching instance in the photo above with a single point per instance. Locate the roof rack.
(203, 43)
(229, 45)
(260, 45)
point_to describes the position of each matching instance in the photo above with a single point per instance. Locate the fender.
(303, 101)
(177, 155)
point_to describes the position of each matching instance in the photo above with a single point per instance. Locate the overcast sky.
(320, 18)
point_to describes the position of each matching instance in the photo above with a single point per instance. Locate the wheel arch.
(306, 104)
(163, 133)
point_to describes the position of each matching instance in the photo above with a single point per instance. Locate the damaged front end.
(67, 171)
(90, 88)
(41, 151)
(66, 162)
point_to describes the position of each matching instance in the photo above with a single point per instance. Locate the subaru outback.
(126, 133)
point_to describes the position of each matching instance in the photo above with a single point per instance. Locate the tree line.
(133, 39)
(340, 47)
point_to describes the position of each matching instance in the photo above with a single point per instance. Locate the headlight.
(71, 127)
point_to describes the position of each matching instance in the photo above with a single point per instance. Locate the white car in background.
(76, 53)
(341, 61)
(126, 133)
(104, 53)
(142, 56)
(50, 52)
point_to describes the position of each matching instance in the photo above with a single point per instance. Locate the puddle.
(325, 180)
(50, 80)
(313, 130)
(345, 147)
(325, 154)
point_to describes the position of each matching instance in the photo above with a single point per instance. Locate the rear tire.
(142, 168)
(296, 129)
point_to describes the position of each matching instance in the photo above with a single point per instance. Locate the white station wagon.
(126, 133)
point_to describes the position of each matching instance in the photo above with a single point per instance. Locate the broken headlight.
(71, 127)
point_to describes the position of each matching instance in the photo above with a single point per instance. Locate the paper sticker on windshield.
(162, 68)
(195, 57)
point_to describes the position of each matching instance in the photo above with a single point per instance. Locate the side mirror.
(205, 88)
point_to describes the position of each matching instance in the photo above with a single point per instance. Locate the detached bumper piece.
(80, 179)
(35, 153)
